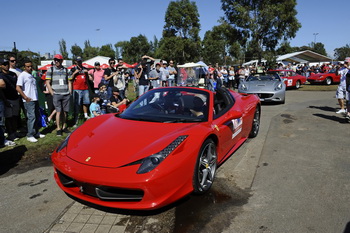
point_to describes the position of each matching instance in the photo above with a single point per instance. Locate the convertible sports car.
(165, 145)
(269, 87)
(325, 78)
(291, 79)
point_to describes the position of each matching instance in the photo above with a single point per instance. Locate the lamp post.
(315, 34)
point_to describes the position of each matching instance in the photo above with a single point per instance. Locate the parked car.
(325, 78)
(165, 145)
(291, 78)
(269, 87)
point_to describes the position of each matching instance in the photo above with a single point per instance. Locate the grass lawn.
(309, 87)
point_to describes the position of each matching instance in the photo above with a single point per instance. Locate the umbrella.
(88, 66)
(45, 67)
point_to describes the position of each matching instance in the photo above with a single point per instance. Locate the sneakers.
(59, 133)
(32, 139)
(40, 135)
(65, 130)
(9, 143)
(341, 111)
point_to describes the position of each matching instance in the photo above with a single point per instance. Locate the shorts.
(13, 110)
(61, 102)
(81, 97)
(341, 92)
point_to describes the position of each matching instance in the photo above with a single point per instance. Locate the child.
(95, 109)
(102, 93)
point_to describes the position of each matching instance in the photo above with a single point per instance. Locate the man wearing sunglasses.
(13, 66)
(108, 75)
(60, 87)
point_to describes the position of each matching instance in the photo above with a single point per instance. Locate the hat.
(58, 56)
(79, 59)
(164, 62)
(3, 61)
(97, 63)
(158, 64)
(115, 89)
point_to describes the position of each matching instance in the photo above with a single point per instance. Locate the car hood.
(109, 141)
(261, 85)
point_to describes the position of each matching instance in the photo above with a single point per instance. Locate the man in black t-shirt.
(108, 76)
(142, 74)
(116, 102)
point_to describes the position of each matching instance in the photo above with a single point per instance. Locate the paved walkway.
(81, 218)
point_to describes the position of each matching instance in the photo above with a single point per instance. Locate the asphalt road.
(294, 177)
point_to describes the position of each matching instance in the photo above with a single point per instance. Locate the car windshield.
(266, 77)
(169, 105)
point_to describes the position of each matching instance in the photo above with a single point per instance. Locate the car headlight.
(244, 87)
(278, 87)
(151, 162)
(63, 144)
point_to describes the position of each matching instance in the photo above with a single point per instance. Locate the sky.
(39, 25)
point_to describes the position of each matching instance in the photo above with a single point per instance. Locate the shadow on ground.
(10, 158)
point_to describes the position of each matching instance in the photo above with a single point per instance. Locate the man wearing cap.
(341, 91)
(172, 73)
(154, 76)
(60, 86)
(164, 73)
(26, 87)
(2, 106)
(79, 77)
(116, 102)
(11, 100)
(96, 75)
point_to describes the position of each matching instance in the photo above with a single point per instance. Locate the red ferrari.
(165, 145)
(325, 78)
(291, 79)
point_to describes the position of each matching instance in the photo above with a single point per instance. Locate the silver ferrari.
(269, 87)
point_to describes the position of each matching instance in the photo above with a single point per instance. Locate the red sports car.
(326, 78)
(165, 145)
(291, 79)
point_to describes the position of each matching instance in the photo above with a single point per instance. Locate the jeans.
(33, 116)
(143, 89)
(171, 82)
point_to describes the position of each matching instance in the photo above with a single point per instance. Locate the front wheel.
(256, 123)
(328, 81)
(205, 169)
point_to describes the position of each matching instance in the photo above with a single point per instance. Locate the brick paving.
(80, 219)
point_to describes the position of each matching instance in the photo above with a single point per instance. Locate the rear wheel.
(297, 84)
(328, 81)
(256, 123)
(205, 169)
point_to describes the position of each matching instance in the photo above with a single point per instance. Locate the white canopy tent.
(189, 74)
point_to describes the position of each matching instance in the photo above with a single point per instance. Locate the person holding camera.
(108, 76)
(81, 97)
(142, 73)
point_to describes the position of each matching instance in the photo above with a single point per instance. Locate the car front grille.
(265, 95)
(104, 193)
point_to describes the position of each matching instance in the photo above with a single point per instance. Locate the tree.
(63, 48)
(119, 48)
(154, 46)
(107, 51)
(89, 51)
(76, 51)
(286, 48)
(342, 52)
(136, 48)
(318, 48)
(181, 41)
(262, 22)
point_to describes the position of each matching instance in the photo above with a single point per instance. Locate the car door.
(227, 124)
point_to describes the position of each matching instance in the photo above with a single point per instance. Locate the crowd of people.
(97, 91)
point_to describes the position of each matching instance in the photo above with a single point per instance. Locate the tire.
(204, 172)
(328, 81)
(256, 123)
(297, 84)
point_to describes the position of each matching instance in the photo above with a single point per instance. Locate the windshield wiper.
(184, 120)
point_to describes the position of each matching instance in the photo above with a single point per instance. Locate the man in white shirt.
(26, 87)
(13, 66)
(341, 91)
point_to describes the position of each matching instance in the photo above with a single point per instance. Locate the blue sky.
(39, 25)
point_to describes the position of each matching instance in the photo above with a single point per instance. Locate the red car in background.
(291, 78)
(325, 78)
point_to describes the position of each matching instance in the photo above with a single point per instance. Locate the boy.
(95, 109)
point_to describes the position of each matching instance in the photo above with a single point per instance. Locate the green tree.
(181, 41)
(154, 46)
(135, 49)
(262, 22)
(286, 48)
(342, 52)
(89, 51)
(107, 51)
(76, 51)
(119, 48)
(28, 55)
(318, 48)
(63, 48)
